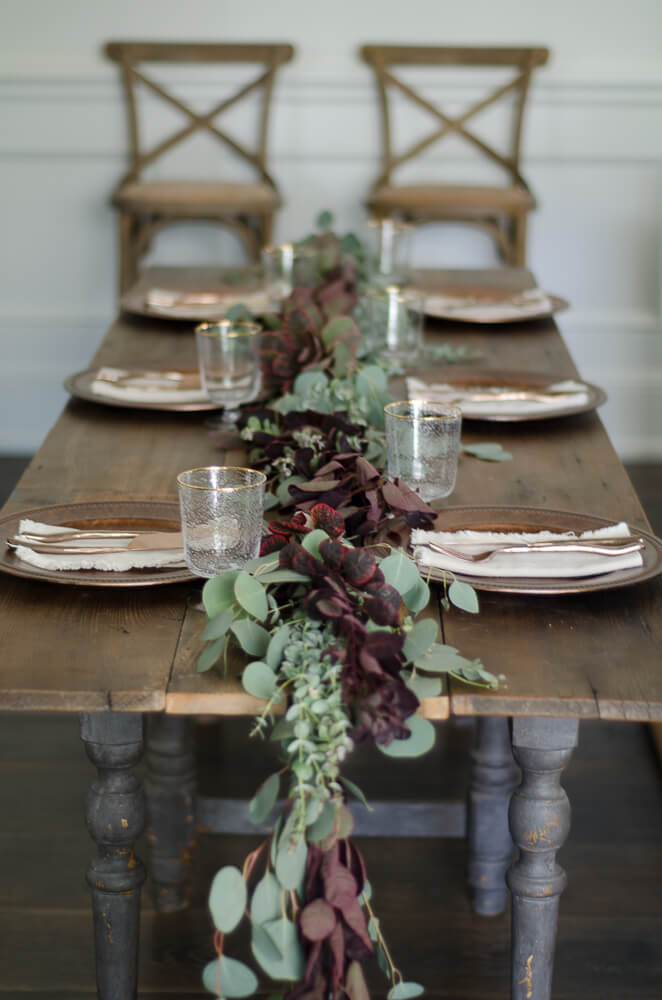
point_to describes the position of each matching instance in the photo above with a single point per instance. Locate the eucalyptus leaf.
(233, 977)
(311, 543)
(418, 597)
(218, 593)
(211, 655)
(440, 658)
(323, 825)
(283, 490)
(285, 937)
(263, 944)
(356, 792)
(283, 730)
(251, 595)
(373, 928)
(404, 991)
(400, 571)
(253, 639)
(421, 637)
(420, 741)
(217, 626)
(309, 381)
(266, 900)
(423, 687)
(270, 501)
(277, 645)
(291, 860)
(259, 680)
(283, 576)
(264, 799)
(463, 596)
(227, 898)
(488, 451)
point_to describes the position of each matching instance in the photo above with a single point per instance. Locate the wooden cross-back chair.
(500, 210)
(145, 206)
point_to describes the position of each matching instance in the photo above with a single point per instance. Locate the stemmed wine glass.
(230, 371)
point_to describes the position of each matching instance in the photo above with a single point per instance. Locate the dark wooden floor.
(610, 928)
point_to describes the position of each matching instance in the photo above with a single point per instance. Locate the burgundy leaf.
(327, 519)
(359, 567)
(317, 920)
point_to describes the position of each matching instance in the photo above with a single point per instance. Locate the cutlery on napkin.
(51, 546)
(475, 400)
(487, 308)
(210, 304)
(520, 554)
(149, 386)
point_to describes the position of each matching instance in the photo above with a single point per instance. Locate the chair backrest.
(131, 57)
(522, 60)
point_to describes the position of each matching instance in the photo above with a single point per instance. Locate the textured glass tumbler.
(422, 445)
(395, 319)
(390, 256)
(222, 509)
(229, 360)
(288, 266)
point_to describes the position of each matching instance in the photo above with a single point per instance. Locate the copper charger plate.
(478, 378)
(80, 386)
(531, 519)
(485, 295)
(134, 302)
(144, 515)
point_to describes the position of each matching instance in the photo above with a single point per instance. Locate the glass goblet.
(230, 370)
(423, 444)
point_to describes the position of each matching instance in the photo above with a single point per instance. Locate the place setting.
(508, 396)
(523, 550)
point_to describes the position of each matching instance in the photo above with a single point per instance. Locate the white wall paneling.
(593, 149)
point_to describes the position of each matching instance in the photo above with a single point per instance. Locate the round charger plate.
(80, 386)
(134, 302)
(527, 519)
(484, 295)
(473, 378)
(124, 515)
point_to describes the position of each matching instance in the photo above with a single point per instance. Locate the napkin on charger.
(571, 393)
(559, 565)
(205, 304)
(149, 387)
(532, 302)
(119, 561)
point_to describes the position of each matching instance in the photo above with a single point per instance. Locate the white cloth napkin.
(560, 565)
(533, 302)
(205, 305)
(118, 561)
(574, 394)
(144, 388)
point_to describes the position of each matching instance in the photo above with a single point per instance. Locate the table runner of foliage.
(341, 643)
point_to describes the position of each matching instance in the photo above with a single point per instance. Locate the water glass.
(395, 320)
(229, 360)
(222, 511)
(288, 266)
(423, 444)
(390, 257)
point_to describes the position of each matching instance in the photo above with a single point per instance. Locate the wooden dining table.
(119, 655)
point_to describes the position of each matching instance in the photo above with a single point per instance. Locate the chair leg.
(519, 240)
(128, 271)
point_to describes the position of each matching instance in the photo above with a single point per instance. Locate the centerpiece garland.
(342, 645)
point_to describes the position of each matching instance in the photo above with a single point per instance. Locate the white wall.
(592, 143)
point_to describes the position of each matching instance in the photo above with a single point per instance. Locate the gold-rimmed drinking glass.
(395, 321)
(288, 266)
(222, 511)
(423, 445)
(389, 259)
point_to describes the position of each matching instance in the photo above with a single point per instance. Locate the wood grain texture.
(591, 656)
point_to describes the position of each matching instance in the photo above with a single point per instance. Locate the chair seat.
(448, 199)
(189, 199)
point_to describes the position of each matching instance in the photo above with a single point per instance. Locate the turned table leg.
(539, 823)
(494, 777)
(115, 817)
(170, 792)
